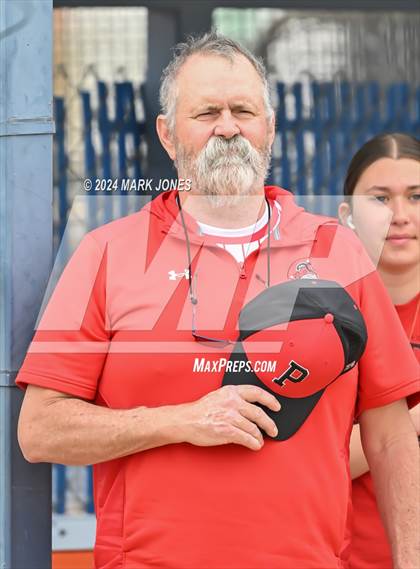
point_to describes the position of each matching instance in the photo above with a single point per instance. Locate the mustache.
(220, 151)
(225, 168)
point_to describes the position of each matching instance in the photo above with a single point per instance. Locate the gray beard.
(225, 169)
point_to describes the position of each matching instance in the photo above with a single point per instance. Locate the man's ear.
(344, 212)
(165, 137)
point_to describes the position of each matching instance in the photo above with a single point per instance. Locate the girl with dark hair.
(382, 205)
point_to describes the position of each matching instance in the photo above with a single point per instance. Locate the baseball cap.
(319, 335)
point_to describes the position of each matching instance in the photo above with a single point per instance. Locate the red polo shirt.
(117, 332)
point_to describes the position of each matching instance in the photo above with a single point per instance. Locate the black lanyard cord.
(193, 298)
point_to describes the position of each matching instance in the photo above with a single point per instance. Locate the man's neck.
(402, 285)
(242, 212)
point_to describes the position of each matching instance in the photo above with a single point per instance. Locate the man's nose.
(226, 125)
(400, 211)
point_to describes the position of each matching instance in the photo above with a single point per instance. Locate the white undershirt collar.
(237, 232)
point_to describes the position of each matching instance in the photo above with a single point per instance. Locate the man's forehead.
(213, 61)
(210, 78)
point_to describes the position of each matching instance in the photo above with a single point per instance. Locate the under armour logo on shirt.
(173, 275)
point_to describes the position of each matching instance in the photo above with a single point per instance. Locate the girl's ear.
(344, 215)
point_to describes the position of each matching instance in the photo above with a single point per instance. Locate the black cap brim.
(293, 412)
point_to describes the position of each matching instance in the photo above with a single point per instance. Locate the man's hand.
(228, 415)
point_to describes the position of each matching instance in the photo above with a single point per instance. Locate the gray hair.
(209, 43)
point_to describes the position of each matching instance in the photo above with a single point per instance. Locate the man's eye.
(415, 197)
(381, 199)
(205, 114)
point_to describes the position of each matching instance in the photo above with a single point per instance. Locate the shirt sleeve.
(71, 342)
(388, 369)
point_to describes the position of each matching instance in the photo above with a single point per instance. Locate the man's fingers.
(254, 394)
(241, 422)
(261, 419)
(245, 439)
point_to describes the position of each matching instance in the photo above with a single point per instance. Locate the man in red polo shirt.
(156, 311)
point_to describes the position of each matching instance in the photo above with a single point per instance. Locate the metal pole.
(351, 5)
(166, 27)
(162, 36)
(26, 128)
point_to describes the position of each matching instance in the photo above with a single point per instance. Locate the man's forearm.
(82, 433)
(396, 473)
(54, 427)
